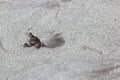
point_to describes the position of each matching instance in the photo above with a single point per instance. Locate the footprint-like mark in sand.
(1, 46)
(52, 5)
(66, 1)
(92, 49)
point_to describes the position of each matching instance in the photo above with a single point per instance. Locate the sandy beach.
(91, 29)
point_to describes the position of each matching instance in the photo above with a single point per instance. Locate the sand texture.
(91, 29)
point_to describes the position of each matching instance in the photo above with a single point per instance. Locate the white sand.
(91, 29)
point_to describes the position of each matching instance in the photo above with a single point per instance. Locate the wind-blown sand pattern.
(91, 29)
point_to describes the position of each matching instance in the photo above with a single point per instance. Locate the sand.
(91, 29)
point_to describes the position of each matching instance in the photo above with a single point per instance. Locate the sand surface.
(91, 29)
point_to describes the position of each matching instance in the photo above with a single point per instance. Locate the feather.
(52, 40)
